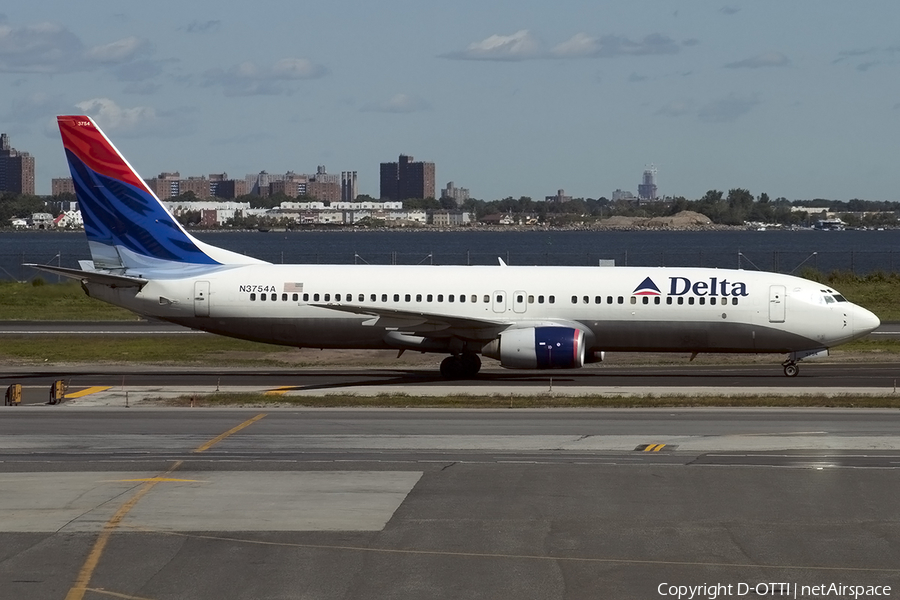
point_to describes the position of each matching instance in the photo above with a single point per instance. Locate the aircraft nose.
(864, 321)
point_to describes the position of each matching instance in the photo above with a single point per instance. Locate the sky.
(797, 99)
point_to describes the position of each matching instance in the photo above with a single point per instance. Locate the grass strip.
(155, 349)
(546, 400)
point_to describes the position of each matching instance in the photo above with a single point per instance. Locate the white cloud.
(248, 79)
(580, 44)
(40, 48)
(400, 103)
(113, 118)
(521, 45)
(117, 52)
(770, 59)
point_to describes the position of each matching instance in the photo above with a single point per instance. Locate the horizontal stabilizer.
(116, 281)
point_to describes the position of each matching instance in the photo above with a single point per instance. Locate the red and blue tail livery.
(125, 223)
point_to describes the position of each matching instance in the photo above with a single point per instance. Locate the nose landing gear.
(790, 368)
(790, 365)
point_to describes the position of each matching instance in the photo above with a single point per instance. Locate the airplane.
(525, 317)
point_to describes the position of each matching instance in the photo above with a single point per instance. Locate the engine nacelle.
(538, 348)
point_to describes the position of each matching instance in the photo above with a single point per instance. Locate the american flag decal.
(291, 286)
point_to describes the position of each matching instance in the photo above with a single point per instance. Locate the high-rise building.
(647, 188)
(349, 187)
(407, 179)
(459, 195)
(62, 185)
(16, 169)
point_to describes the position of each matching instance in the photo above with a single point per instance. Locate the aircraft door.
(776, 303)
(201, 298)
(520, 302)
(499, 300)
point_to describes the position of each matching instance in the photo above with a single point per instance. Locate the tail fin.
(126, 225)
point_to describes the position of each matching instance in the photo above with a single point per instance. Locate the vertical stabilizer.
(126, 224)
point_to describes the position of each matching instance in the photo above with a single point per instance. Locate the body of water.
(782, 251)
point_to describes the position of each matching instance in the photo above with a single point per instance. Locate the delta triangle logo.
(647, 288)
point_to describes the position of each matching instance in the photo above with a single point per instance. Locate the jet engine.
(538, 348)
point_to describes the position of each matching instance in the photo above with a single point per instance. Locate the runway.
(343, 503)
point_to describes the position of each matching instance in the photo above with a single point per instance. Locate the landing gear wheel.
(460, 367)
(452, 368)
(791, 370)
(471, 364)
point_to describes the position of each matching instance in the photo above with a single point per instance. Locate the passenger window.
(702, 300)
(669, 300)
(337, 297)
(407, 297)
(656, 300)
(362, 297)
(680, 300)
(430, 297)
(487, 298)
(462, 297)
(440, 297)
(500, 298)
(551, 299)
(418, 297)
(306, 297)
(574, 299)
(712, 300)
(620, 300)
(450, 298)
(540, 299)
(646, 300)
(520, 298)
(315, 297)
(384, 297)
(327, 297)
(474, 298)
(274, 297)
(586, 300)
(691, 300)
(284, 297)
(734, 301)
(609, 300)
(530, 299)
(633, 300)
(295, 297)
(253, 297)
(597, 299)
(396, 297)
(262, 297)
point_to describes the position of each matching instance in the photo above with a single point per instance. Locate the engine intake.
(538, 348)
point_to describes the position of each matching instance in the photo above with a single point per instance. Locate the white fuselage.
(351, 306)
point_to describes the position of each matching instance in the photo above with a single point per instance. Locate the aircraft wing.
(94, 276)
(423, 323)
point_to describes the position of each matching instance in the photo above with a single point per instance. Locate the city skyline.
(509, 99)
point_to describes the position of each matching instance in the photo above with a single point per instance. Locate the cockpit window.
(839, 298)
(829, 300)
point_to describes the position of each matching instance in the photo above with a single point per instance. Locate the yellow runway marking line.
(78, 590)
(88, 391)
(280, 391)
(500, 555)
(231, 431)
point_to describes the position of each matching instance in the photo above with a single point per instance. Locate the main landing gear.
(790, 368)
(460, 366)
